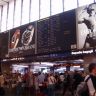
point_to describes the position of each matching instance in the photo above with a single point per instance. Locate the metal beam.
(4, 1)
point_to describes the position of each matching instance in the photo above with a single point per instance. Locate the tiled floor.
(11, 92)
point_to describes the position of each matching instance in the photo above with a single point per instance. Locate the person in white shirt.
(41, 78)
(92, 79)
(51, 85)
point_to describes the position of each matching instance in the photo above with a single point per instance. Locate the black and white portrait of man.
(86, 21)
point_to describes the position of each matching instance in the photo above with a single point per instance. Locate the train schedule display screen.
(55, 34)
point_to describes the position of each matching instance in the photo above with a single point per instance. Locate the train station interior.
(46, 46)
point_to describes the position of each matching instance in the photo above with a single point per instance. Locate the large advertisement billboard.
(86, 27)
(22, 40)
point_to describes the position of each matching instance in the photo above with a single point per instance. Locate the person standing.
(51, 85)
(19, 85)
(41, 78)
(2, 91)
(77, 79)
(32, 84)
(92, 80)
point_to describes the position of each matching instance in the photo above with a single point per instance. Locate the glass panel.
(25, 12)
(70, 5)
(34, 10)
(56, 6)
(4, 18)
(17, 17)
(10, 15)
(85, 2)
(45, 8)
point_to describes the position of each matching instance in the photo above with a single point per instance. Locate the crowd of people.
(49, 84)
(39, 84)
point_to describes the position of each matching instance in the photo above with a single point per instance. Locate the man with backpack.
(88, 87)
(92, 81)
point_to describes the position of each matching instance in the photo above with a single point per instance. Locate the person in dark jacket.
(2, 91)
(77, 79)
(66, 83)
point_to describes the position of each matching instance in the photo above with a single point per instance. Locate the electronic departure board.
(22, 40)
(57, 33)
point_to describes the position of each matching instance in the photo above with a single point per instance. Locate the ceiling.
(2, 2)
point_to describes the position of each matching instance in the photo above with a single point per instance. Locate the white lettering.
(81, 52)
(24, 48)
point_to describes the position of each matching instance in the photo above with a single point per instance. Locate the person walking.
(2, 91)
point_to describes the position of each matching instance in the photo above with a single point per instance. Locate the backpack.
(82, 88)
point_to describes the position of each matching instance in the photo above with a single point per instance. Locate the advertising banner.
(22, 40)
(86, 27)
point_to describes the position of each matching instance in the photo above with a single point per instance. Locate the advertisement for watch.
(22, 40)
